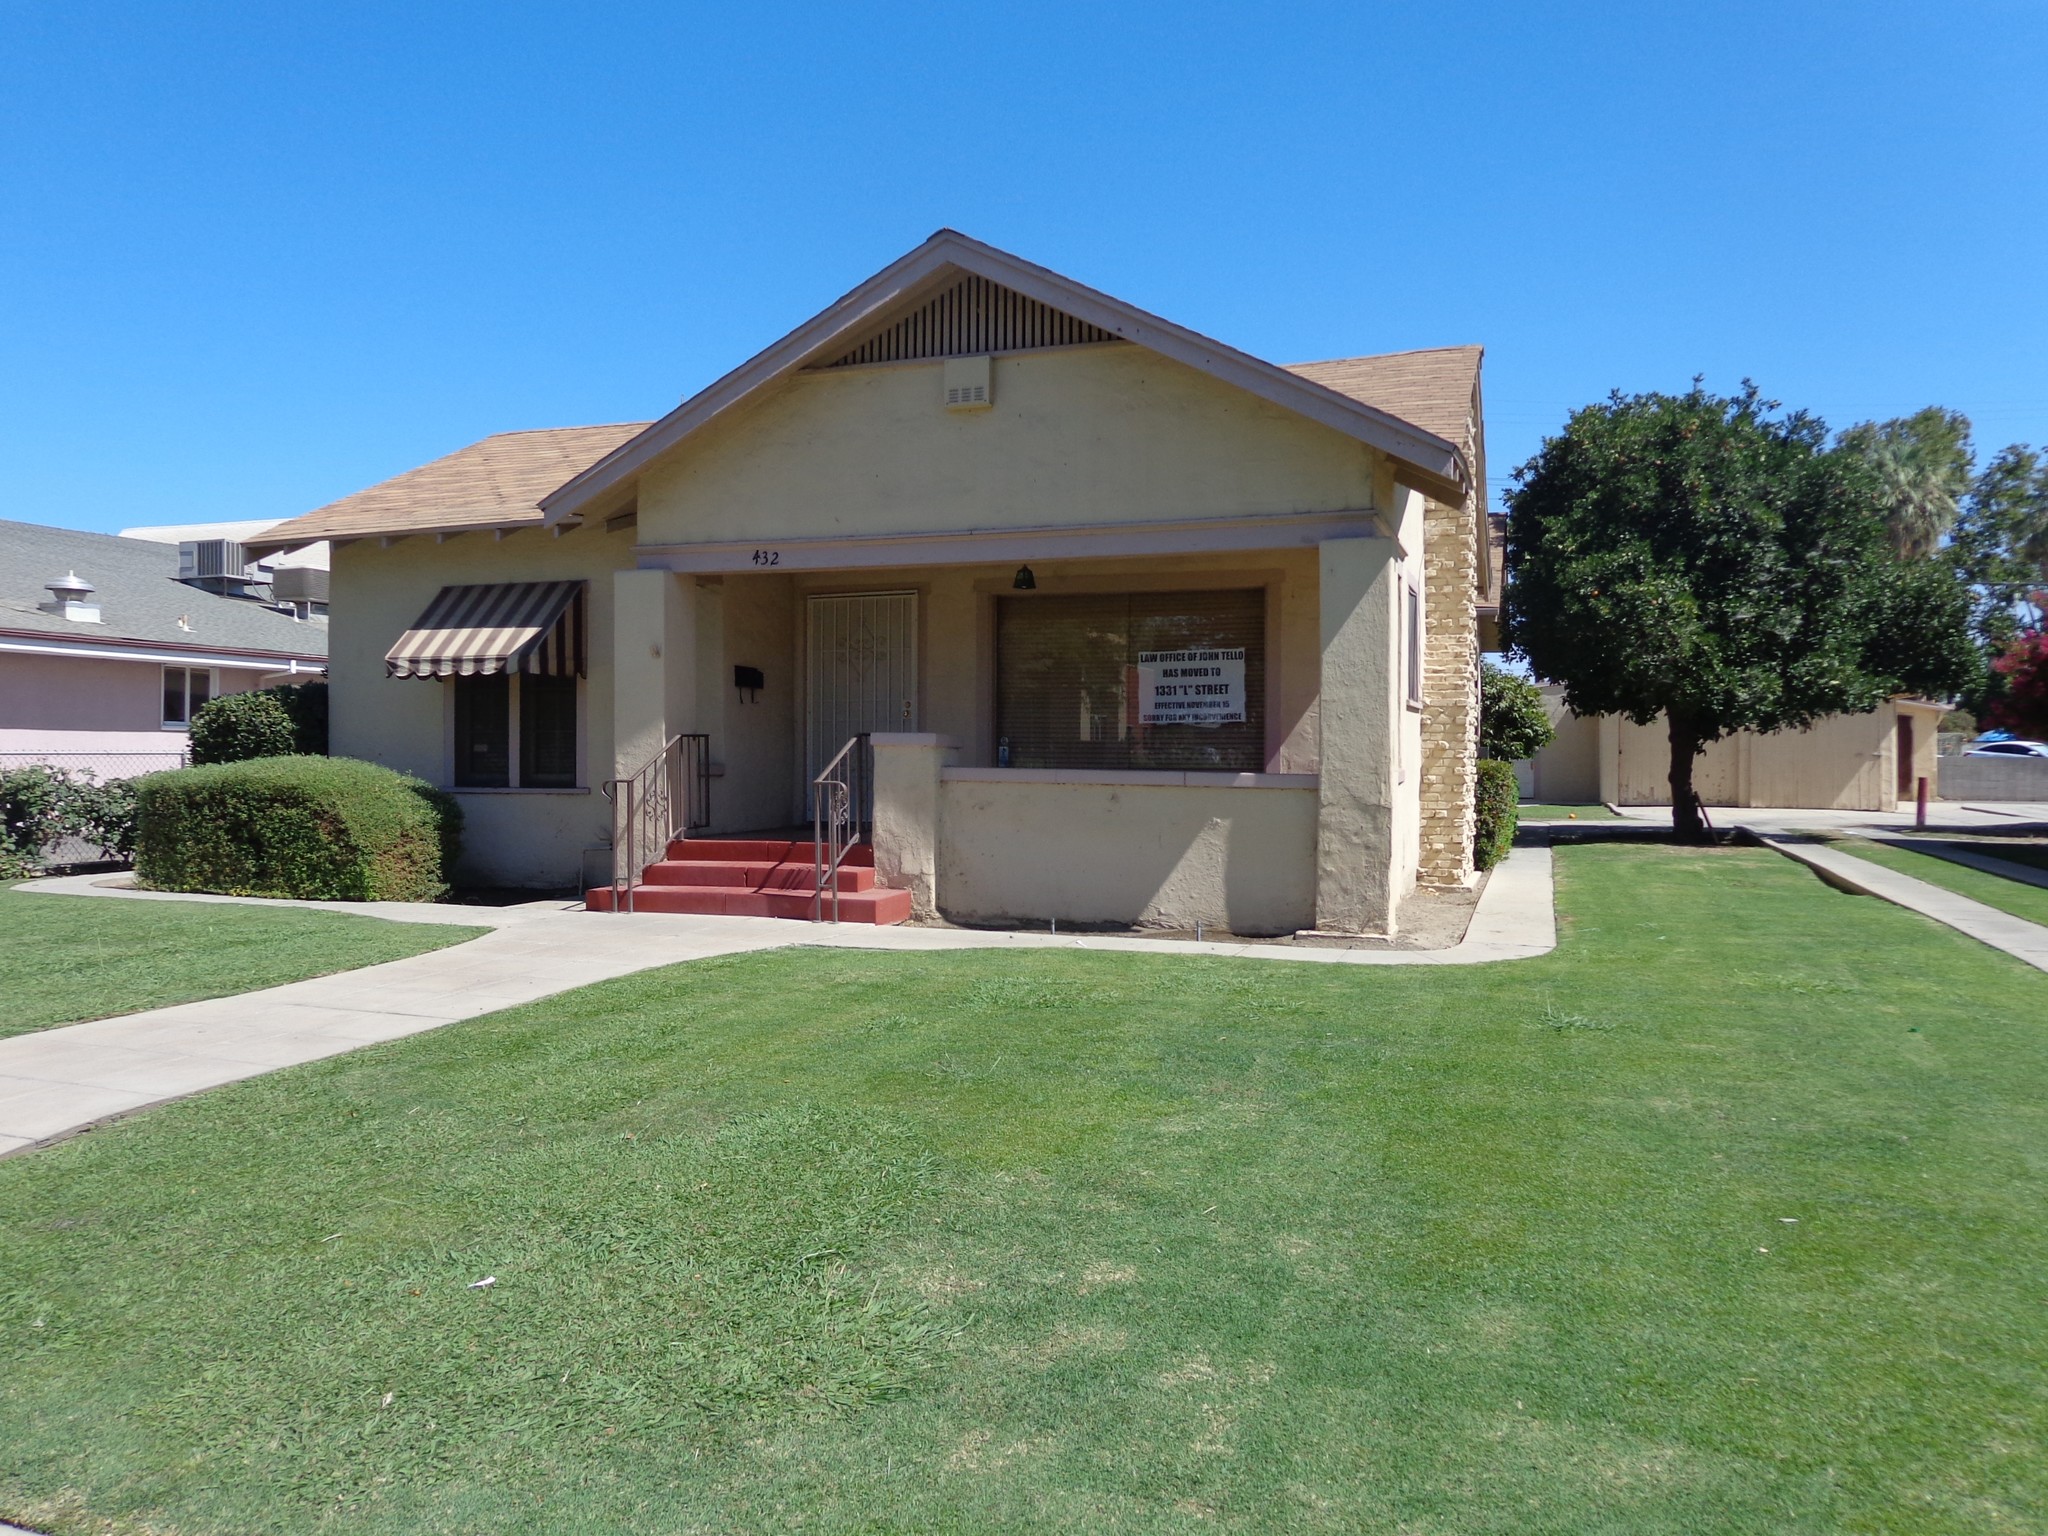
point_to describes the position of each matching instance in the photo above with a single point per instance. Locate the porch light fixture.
(1024, 581)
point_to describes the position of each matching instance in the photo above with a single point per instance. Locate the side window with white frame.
(185, 690)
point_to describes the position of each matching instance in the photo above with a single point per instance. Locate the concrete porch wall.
(1140, 853)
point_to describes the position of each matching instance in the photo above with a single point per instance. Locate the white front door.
(862, 671)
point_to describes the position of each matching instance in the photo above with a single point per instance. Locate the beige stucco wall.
(1567, 772)
(1844, 762)
(517, 837)
(1140, 854)
(1076, 437)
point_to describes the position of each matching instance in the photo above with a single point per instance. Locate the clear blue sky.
(257, 256)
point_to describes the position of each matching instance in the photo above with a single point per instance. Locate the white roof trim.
(1439, 465)
(142, 650)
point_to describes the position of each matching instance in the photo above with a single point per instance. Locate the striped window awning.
(534, 627)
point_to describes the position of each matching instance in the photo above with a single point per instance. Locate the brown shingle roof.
(496, 483)
(499, 482)
(1430, 389)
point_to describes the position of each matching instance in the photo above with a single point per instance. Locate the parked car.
(2007, 749)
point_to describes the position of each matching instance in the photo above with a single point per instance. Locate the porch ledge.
(1173, 779)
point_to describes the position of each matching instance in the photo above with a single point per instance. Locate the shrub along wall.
(314, 828)
(1496, 812)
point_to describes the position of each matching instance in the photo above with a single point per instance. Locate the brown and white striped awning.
(534, 627)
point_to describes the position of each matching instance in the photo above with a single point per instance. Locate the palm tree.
(1924, 462)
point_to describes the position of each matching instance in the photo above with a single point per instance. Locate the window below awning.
(534, 627)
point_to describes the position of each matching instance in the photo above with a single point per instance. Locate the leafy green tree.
(1706, 559)
(1512, 721)
(1923, 463)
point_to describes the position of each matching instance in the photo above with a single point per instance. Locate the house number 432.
(767, 557)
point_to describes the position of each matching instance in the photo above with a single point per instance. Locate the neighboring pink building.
(105, 651)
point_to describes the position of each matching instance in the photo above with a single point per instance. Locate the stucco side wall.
(1075, 437)
(520, 837)
(66, 693)
(1844, 763)
(1242, 859)
(1567, 772)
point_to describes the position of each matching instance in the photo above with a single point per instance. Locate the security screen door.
(862, 653)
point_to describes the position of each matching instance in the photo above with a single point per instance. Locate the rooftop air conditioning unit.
(299, 584)
(200, 559)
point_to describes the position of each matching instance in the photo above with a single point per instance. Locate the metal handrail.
(840, 809)
(664, 800)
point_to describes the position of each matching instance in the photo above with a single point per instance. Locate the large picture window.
(1138, 680)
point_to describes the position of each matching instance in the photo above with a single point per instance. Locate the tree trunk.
(1687, 825)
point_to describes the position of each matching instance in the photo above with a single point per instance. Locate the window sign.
(1196, 687)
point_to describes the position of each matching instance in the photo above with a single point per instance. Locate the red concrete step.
(761, 850)
(878, 905)
(755, 875)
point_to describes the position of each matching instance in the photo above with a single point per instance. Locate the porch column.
(907, 831)
(654, 664)
(1358, 715)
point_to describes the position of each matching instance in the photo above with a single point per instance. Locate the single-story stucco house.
(1139, 629)
(1842, 763)
(108, 645)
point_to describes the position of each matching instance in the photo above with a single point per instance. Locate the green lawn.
(2021, 900)
(1537, 811)
(1730, 1216)
(67, 958)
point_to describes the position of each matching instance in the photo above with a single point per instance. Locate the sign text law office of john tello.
(1191, 687)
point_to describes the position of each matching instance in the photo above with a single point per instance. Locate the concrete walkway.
(54, 1082)
(2001, 930)
(1969, 857)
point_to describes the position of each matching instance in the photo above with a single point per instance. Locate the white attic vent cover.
(968, 384)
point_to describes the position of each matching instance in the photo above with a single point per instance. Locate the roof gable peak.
(922, 275)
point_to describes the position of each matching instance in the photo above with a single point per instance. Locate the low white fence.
(1994, 778)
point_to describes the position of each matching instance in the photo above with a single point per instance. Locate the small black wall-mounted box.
(748, 680)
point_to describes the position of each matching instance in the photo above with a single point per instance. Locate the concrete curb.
(2022, 940)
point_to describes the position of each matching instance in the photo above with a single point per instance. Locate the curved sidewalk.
(2001, 930)
(58, 1081)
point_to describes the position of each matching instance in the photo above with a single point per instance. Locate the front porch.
(1207, 736)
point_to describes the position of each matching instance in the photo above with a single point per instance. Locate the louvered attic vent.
(974, 316)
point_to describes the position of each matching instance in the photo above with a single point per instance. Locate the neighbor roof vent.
(71, 598)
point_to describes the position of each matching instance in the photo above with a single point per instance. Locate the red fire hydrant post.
(1920, 801)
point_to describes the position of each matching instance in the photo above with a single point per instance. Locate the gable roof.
(141, 600)
(1431, 462)
(495, 483)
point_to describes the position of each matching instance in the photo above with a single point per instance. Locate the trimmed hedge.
(269, 722)
(1496, 802)
(313, 828)
(240, 727)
